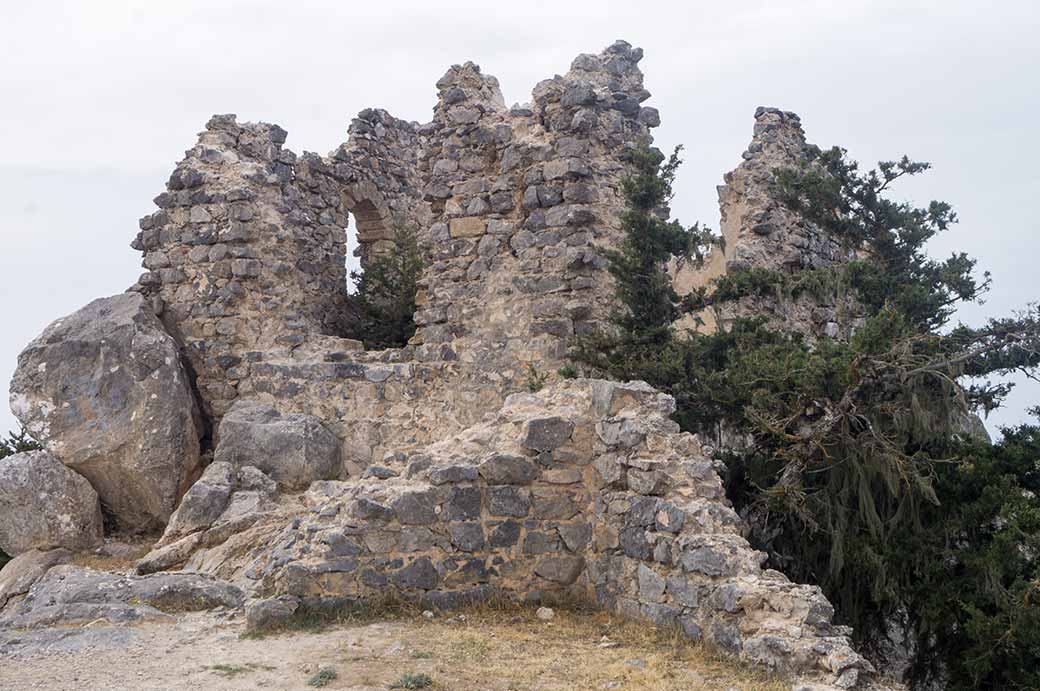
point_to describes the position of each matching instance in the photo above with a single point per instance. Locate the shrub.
(411, 680)
(323, 677)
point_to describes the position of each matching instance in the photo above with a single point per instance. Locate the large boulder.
(105, 391)
(44, 505)
(293, 448)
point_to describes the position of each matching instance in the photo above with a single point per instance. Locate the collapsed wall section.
(237, 260)
(760, 232)
(247, 253)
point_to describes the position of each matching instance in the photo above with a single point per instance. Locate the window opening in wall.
(383, 269)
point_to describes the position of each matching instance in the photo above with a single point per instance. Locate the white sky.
(99, 98)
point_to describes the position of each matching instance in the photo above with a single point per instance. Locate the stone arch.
(372, 217)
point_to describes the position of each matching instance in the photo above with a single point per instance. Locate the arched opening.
(382, 271)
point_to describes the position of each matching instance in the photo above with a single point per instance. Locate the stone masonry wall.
(583, 490)
(247, 251)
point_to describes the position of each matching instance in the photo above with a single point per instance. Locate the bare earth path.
(477, 650)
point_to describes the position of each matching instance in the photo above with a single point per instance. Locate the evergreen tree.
(383, 306)
(17, 442)
(854, 472)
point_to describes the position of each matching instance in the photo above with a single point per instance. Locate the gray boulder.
(20, 573)
(271, 612)
(44, 505)
(105, 391)
(293, 448)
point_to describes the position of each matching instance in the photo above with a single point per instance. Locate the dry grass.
(117, 555)
(503, 648)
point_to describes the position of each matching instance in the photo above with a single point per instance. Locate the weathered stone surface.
(69, 594)
(293, 448)
(44, 505)
(505, 469)
(18, 575)
(563, 568)
(467, 227)
(104, 390)
(225, 500)
(269, 613)
(546, 434)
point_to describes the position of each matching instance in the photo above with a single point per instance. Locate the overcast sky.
(100, 98)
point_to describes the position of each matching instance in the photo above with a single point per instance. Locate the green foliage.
(383, 306)
(647, 303)
(534, 379)
(323, 677)
(976, 599)
(412, 680)
(568, 371)
(856, 473)
(17, 442)
(851, 207)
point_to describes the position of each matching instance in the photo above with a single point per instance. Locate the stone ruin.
(219, 402)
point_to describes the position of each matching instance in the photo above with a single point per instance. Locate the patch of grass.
(502, 645)
(421, 655)
(470, 647)
(312, 619)
(410, 680)
(323, 677)
(232, 670)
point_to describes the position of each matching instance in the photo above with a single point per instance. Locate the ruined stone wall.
(512, 208)
(760, 232)
(583, 490)
(456, 480)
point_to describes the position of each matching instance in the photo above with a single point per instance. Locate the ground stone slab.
(18, 575)
(69, 594)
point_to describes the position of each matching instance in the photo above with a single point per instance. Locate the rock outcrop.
(45, 505)
(75, 594)
(104, 390)
(226, 499)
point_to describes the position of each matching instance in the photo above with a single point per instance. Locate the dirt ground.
(475, 650)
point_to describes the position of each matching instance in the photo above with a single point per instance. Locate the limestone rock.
(20, 573)
(270, 612)
(70, 594)
(104, 390)
(293, 448)
(225, 500)
(44, 505)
